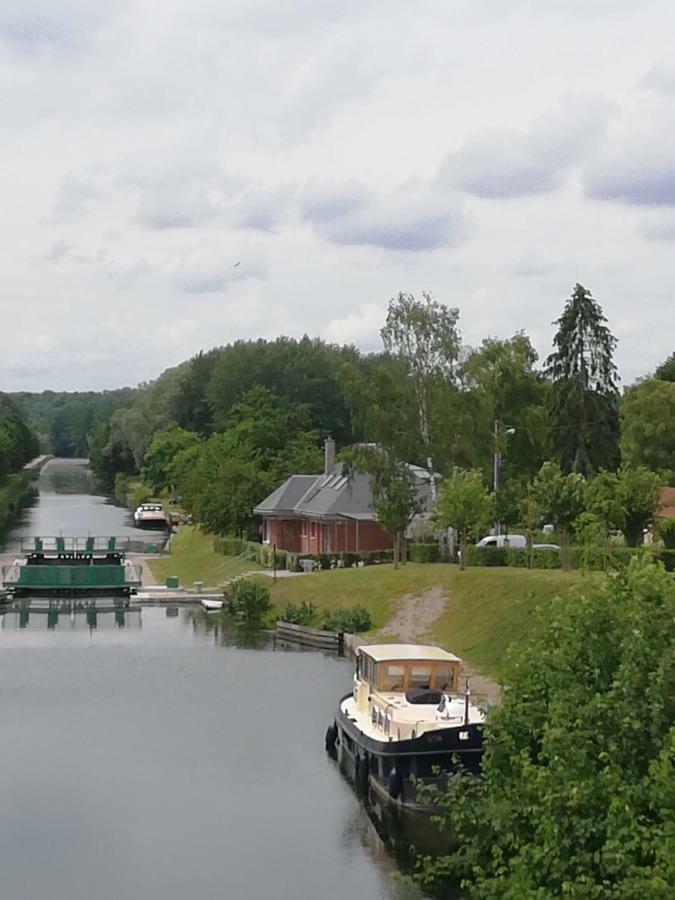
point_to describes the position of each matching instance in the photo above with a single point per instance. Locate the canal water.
(153, 756)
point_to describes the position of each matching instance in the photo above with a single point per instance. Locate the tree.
(640, 492)
(561, 499)
(162, 450)
(604, 504)
(223, 478)
(392, 484)
(424, 334)
(666, 371)
(463, 504)
(584, 407)
(530, 512)
(647, 432)
(576, 797)
(502, 385)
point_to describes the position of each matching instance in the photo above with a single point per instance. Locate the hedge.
(263, 554)
(550, 559)
(423, 553)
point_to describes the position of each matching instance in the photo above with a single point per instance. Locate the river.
(160, 759)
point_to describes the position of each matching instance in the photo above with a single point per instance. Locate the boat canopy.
(386, 652)
(394, 668)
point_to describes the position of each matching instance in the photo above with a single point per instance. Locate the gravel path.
(413, 621)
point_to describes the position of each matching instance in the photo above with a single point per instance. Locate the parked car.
(502, 540)
(546, 547)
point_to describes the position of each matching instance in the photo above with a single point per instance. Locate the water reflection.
(57, 614)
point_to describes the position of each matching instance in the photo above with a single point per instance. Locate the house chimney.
(329, 454)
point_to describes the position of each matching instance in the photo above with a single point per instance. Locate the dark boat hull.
(394, 770)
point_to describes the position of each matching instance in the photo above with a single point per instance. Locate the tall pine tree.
(584, 414)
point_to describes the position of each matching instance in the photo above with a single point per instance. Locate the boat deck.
(405, 717)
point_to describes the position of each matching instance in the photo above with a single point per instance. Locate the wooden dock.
(310, 637)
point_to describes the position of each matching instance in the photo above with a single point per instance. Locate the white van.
(502, 540)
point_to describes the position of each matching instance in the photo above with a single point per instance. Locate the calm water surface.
(158, 760)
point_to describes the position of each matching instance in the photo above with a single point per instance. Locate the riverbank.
(14, 489)
(476, 614)
(192, 558)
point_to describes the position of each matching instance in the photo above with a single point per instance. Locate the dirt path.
(414, 620)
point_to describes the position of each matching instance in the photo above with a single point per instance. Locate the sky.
(179, 174)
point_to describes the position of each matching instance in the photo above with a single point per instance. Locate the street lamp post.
(496, 465)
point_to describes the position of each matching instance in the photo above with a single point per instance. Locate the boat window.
(419, 676)
(444, 678)
(392, 677)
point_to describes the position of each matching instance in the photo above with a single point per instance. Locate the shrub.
(302, 614)
(250, 600)
(666, 530)
(350, 618)
(423, 553)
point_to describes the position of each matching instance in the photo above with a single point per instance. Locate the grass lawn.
(486, 609)
(194, 559)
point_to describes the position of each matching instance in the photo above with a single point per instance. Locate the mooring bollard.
(199, 587)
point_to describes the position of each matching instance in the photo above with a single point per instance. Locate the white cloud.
(511, 163)
(149, 146)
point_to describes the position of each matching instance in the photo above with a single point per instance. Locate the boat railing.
(86, 544)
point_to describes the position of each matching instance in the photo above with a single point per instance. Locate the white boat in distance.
(211, 605)
(150, 515)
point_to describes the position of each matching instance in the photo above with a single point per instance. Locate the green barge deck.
(47, 571)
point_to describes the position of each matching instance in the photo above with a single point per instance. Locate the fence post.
(274, 561)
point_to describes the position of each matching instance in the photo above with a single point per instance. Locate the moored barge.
(405, 723)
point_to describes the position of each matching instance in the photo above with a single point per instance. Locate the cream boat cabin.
(406, 721)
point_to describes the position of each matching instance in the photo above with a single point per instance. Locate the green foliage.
(300, 614)
(222, 478)
(640, 492)
(666, 371)
(424, 334)
(584, 400)
(666, 531)
(304, 372)
(67, 421)
(561, 498)
(352, 619)
(463, 504)
(249, 600)
(393, 489)
(576, 797)
(647, 433)
(423, 553)
(18, 444)
(501, 383)
(165, 445)
(263, 554)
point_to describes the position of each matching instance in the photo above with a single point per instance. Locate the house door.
(325, 543)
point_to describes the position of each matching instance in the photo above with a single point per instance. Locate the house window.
(265, 531)
(303, 528)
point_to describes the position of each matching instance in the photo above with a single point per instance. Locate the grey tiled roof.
(331, 495)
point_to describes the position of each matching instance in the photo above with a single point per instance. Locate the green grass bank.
(193, 558)
(485, 609)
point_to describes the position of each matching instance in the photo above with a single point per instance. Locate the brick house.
(328, 513)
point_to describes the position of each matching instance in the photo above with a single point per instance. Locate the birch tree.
(424, 333)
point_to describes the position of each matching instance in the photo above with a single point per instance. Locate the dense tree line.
(65, 422)
(425, 398)
(18, 443)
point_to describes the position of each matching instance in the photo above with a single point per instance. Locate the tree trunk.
(565, 548)
(397, 538)
(462, 550)
(424, 432)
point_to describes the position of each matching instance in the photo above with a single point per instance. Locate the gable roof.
(332, 495)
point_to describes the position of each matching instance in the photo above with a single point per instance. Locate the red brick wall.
(307, 536)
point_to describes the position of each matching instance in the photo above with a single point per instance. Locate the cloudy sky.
(493, 152)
